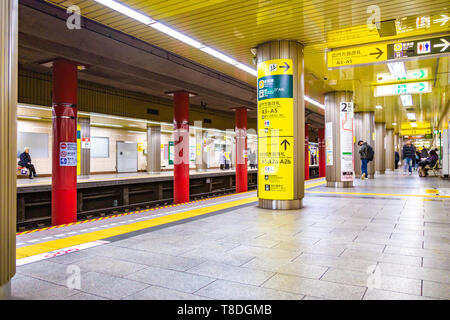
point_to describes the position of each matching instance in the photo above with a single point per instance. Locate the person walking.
(366, 153)
(396, 159)
(409, 153)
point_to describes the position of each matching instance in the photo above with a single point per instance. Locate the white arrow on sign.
(444, 44)
(444, 19)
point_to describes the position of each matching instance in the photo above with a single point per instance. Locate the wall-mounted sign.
(68, 154)
(402, 88)
(329, 143)
(171, 152)
(346, 141)
(276, 130)
(86, 143)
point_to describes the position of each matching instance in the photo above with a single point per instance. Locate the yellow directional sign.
(357, 55)
(276, 130)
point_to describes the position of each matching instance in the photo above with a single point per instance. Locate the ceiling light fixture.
(379, 107)
(406, 100)
(397, 69)
(411, 116)
(178, 35)
(28, 117)
(106, 125)
(314, 102)
(174, 34)
(126, 11)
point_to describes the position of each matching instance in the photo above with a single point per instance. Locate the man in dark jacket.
(364, 154)
(396, 159)
(409, 153)
(25, 161)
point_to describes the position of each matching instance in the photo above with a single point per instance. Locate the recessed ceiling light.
(397, 69)
(411, 116)
(406, 100)
(379, 107)
(394, 123)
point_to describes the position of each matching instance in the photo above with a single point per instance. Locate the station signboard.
(357, 55)
(419, 48)
(275, 130)
(376, 53)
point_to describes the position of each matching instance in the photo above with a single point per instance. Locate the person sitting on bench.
(25, 161)
(430, 161)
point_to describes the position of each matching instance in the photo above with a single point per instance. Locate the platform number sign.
(346, 139)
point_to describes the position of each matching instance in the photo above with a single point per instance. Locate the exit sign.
(411, 75)
(403, 88)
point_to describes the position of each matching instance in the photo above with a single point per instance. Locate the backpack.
(370, 153)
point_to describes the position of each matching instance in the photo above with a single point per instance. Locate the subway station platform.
(118, 178)
(386, 238)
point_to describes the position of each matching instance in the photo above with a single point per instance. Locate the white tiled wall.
(114, 135)
(44, 165)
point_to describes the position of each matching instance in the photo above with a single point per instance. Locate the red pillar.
(322, 160)
(64, 152)
(181, 146)
(241, 147)
(306, 151)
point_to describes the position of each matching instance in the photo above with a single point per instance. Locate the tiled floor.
(336, 247)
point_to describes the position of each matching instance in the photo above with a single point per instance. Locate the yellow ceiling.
(235, 26)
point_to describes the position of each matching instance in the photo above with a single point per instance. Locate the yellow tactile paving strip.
(114, 231)
(379, 194)
(123, 214)
(39, 248)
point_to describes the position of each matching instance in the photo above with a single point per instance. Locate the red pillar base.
(241, 150)
(322, 159)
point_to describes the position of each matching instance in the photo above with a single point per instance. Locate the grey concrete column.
(380, 134)
(5, 291)
(289, 181)
(390, 151)
(85, 152)
(364, 130)
(154, 149)
(332, 116)
(8, 142)
(201, 155)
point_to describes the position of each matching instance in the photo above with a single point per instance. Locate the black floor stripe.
(170, 224)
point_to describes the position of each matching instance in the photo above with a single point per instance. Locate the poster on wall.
(346, 130)
(329, 143)
(171, 152)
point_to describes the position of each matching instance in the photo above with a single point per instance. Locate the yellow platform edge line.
(52, 245)
(307, 186)
(380, 194)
